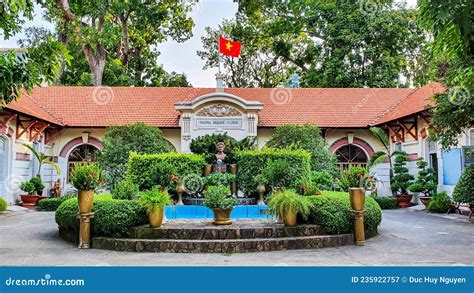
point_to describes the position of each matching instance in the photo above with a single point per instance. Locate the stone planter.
(222, 216)
(31, 200)
(85, 200)
(289, 219)
(180, 190)
(155, 217)
(261, 190)
(207, 169)
(404, 201)
(357, 202)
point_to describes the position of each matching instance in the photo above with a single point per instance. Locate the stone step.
(240, 230)
(221, 245)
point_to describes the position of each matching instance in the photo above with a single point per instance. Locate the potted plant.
(424, 182)
(260, 181)
(154, 201)
(39, 186)
(217, 198)
(401, 180)
(287, 204)
(28, 199)
(86, 177)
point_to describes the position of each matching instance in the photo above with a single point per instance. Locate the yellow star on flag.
(228, 46)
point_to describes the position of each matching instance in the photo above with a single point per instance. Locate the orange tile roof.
(325, 107)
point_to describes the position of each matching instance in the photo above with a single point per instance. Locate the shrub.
(401, 179)
(253, 163)
(354, 176)
(50, 204)
(333, 211)
(206, 146)
(218, 179)
(287, 201)
(3, 205)
(112, 217)
(155, 199)
(37, 182)
(306, 137)
(28, 187)
(217, 197)
(464, 189)
(323, 180)
(157, 169)
(425, 181)
(86, 176)
(125, 189)
(307, 187)
(119, 141)
(440, 203)
(386, 202)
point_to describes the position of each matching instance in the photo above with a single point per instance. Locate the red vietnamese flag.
(229, 48)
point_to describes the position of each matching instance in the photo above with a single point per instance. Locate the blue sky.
(179, 57)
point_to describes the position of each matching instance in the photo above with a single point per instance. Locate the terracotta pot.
(29, 200)
(425, 200)
(155, 217)
(357, 198)
(86, 200)
(222, 216)
(290, 219)
(404, 201)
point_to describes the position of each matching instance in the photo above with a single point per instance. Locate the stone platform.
(243, 236)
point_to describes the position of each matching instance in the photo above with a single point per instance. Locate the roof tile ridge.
(391, 108)
(61, 121)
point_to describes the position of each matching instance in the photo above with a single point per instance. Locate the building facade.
(68, 124)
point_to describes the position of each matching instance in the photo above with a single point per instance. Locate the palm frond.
(381, 136)
(54, 165)
(377, 158)
(33, 151)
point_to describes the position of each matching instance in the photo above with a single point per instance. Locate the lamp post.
(357, 198)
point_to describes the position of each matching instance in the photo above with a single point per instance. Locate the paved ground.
(407, 237)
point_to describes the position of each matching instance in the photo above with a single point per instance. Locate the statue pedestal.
(85, 230)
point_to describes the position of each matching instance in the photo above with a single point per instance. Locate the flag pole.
(218, 53)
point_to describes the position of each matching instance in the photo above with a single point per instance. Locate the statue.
(57, 188)
(219, 165)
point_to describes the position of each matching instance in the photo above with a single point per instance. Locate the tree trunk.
(96, 61)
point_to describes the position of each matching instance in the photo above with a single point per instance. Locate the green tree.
(306, 137)
(333, 43)
(450, 22)
(425, 181)
(401, 179)
(119, 30)
(119, 141)
(464, 190)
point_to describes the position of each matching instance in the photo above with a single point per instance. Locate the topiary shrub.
(149, 170)
(332, 210)
(253, 163)
(119, 141)
(401, 179)
(440, 203)
(206, 146)
(125, 189)
(112, 217)
(386, 202)
(306, 137)
(3, 205)
(464, 190)
(50, 204)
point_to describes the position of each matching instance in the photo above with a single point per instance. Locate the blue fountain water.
(202, 212)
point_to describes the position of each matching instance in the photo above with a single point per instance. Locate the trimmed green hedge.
(252, 163)
(112, 217)
(150, 170)
(50, 204)
(3, 205)
(333, 211)
(464, 189)
(386, 202)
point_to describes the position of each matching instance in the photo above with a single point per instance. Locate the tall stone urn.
(261, 191)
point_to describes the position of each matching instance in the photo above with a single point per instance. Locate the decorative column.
(252, 122)
(357, 198)
(85, 229)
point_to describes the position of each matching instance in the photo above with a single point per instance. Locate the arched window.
(351, 155)
(84, 153)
